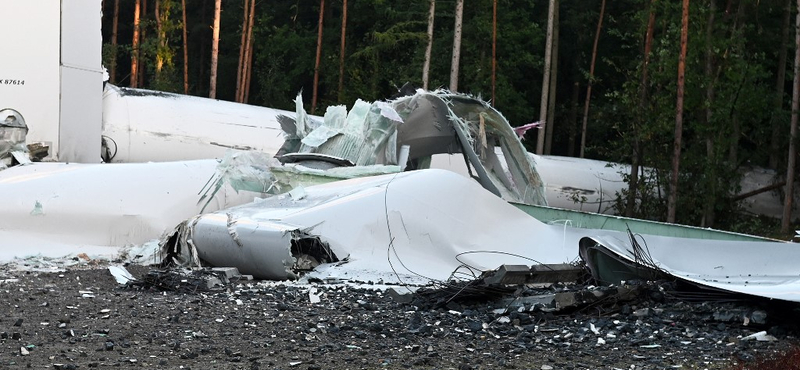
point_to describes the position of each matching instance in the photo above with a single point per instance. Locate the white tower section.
(50, 72)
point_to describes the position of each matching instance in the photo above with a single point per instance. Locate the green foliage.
(284, 65)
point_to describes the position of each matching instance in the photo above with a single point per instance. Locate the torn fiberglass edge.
(274, 253)
(429, 123)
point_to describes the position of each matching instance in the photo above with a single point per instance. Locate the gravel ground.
(81, 318)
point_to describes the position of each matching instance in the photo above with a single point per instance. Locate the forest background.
(611, 90)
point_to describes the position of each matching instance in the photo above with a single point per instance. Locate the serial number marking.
(8, 81)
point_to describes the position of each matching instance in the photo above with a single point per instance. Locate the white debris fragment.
(389, 112)
(86, 293)
(314, 296)
(600, 341)
(23, 351)
(298, 193)
(761, 336)
(594, 329)
(121, 275)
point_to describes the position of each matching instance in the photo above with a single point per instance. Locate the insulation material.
(242, 171)
(428, 123)
(292, 175)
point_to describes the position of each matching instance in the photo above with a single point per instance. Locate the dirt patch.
(84, 319)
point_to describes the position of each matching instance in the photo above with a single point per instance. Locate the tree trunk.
(142, 37)
(573, 118)
(341, 52)
(114, 27)
(201, 70)
(672, 200)
(249, 75)
(212, 84)
(591, 79)
(733, 149)
(242, 48)
(185, 51)
(427, 65)
(456, 46)
(161, 38)
(775, 139)
(637, 155)
(789, 191)
(551, 104)
(494, 51)
(711, 181)
(134, 80)
(319, 54)
(548, 60)
(247, 62)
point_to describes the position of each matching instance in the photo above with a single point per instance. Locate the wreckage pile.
(383, 259)
(84, 319)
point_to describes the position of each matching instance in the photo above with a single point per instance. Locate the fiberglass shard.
(429, 123)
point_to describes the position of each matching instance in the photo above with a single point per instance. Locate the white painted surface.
(581, 184)
(51, 73)
(570, 183)
(91, 207)
(30, 54)
(81, 39)
(81, 113)
(81, 82)
(420, 221)
(155, 126)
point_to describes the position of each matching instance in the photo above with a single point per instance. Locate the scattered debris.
(761, 336)
(120, 274)
(183, 280)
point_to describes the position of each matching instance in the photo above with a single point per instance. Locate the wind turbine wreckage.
(428, 186)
